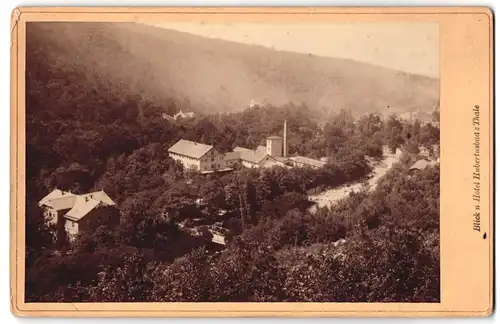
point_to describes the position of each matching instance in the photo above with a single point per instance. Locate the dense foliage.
(87, 135)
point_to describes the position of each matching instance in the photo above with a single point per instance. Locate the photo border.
(466, 80)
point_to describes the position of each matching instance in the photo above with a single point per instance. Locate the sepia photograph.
(194, 161)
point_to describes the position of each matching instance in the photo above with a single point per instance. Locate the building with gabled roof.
(181, 115)
(189, 148)
(205, 159)
(255, 158)
(302, 161)
(76, 213)
(232, 158)
(61, 203)
(54, 194)
(197, 156)
(275, 153)
(422, 164)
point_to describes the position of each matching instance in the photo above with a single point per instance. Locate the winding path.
(380, 168)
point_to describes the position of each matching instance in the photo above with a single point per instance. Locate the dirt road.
(380, 168)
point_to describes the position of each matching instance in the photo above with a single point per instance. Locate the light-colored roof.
(168, 117)
(308, 161)
(54, 194)
(62, 203)
(190, 149)
(182, 114)
(78, 205)
(420, 165)
(252, 156)
(261, 148)
(240, 149)
(281, 159)
(100, 196)
(232, 155)
(82, 206)
(219, 170)
(274, 137)
(86, 202)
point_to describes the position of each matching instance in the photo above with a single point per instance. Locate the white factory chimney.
(285, 147)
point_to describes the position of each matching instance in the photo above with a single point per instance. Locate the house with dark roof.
(77, 213)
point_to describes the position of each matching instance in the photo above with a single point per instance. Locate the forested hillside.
(208, 75)
(86, 131)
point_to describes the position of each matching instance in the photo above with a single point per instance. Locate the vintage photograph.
(232, 162)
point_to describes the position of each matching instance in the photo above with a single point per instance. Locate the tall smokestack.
(285, 147)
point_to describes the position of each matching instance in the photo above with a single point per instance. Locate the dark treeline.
(88, 135)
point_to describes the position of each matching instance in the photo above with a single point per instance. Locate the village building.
(302, 161)
(177, 116)
(253, 158)
(182, 115)
(273, 154)
(422, 164)
(168, 117)
(274, 146)
(197, 156)
(233, 159)
(78, 213)
(205, 159)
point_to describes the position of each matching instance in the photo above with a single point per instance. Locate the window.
(72, 224)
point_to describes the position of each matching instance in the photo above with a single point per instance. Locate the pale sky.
(407, 46)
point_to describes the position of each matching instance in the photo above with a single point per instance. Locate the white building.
(274, 146)
(78, 213)
(254, 158)
(302, 161)
(204, 158)
(197, 156)
(181, 115)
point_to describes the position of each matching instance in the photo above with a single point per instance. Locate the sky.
(407, 46)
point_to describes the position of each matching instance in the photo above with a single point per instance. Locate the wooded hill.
(179, 70)
(95, 94)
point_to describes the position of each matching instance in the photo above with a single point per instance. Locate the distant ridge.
(210, 75)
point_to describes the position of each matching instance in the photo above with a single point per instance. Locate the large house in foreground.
(205, 158)
(77, 213)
